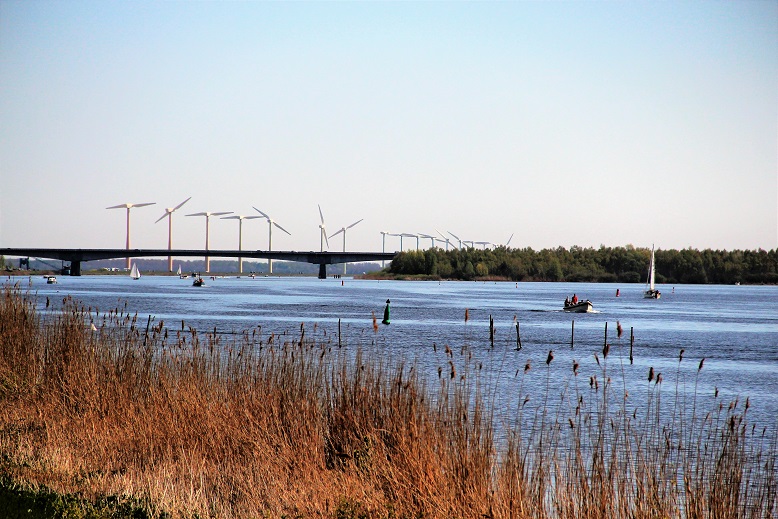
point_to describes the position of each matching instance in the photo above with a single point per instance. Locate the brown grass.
(194, 424)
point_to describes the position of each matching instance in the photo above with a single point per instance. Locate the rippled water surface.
(735, 328)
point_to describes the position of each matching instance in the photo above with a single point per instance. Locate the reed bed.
(191, 424)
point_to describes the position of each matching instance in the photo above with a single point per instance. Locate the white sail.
(651, 271)
(179, 270)
(135, 273)
(651, 292)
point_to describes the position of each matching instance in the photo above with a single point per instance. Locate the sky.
(556, 123)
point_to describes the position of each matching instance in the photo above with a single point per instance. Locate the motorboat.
(579, 307)
(51, 280)
(198, 282)
(651, 291)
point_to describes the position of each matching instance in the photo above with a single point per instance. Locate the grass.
(106, 414)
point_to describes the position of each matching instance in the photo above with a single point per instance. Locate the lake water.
(735, 328)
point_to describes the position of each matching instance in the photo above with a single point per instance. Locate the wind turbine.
(483, 244)
(128, 207)
(456, 238)
(448, 241)
(207, 220)
(169, 213)
(384, 234)
(323, 231)
(270, 224)
(429, 237)
(343, 230)
(240, 219)
(409, 235)
(509, 241)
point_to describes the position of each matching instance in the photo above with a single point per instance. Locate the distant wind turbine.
(240, 219)
(270, 224)
(432, 238)
(409, 235)
(509, 241)
(323, 231)
(207, 237)
(128, 207)
(343, 230)
(169, 213)
(448, 241)
(456, 238)
(483, 244)
(384, 234)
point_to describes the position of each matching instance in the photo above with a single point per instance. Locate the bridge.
(77, 256)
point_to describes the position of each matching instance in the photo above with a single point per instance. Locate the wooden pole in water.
(606, 334)
(491, 330)
(518, 337)
(631, 342)
(572, 335)
(338, 332)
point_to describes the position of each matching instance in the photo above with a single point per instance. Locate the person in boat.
(386, 313)
(575, 299)
(567, 301)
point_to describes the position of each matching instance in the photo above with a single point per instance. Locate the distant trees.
(606, 264)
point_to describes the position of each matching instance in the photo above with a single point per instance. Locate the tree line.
(604, 265)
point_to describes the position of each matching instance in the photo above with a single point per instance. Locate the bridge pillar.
(322, 271)
(75, 268)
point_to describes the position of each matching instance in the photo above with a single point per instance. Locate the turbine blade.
(321, 215)
(143, 204)
(287, 232)
(509, 240)
(198, 214)
(353, 224)
(260, 212)
(454, 235)
(182, 203)
(163, 216)
(235, 217)
(120, 206)
(221, 213)
(336, 233)
(326, 240)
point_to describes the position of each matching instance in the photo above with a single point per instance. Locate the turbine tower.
(456, 238)
(128, 207)
(409, 235)
(384, 234)
(343, 230)
(240, 234)
(207, 219)
(270, 224)
(448, 241)
(323, 231)
(430, 237)
(169, 213)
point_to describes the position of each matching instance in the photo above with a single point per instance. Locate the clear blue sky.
(563, 123)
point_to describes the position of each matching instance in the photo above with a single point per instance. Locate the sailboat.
(178, 272)
(651, 292)
(135, 273)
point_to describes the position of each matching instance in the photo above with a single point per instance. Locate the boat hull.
(652, 294)
(580, 307)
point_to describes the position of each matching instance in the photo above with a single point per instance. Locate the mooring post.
(631, 342)
(518, 337)
(572, 334)
(491, 330)
(605, 342)
(338, 330)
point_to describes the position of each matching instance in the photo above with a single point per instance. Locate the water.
(735, 328)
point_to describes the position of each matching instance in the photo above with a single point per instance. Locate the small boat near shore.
(580, 307)
(51, 280)
(198, 281)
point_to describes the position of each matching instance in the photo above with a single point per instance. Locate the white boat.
(178, 272)
(135, 273)
(51, 280)
(651, 292)
(579, 307)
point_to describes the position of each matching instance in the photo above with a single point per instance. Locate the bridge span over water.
(77, 256)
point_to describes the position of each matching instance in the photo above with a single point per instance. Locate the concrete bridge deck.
(77, 256)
